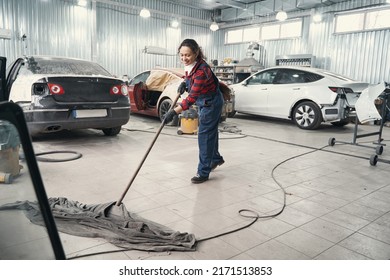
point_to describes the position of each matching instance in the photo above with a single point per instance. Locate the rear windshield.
(63, 66)
(337, 76)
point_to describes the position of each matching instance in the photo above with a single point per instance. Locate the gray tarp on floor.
(119, 227)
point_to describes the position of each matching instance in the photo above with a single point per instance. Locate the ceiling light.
(82, 3)
(214, 26)
(144, 13)
(317, 18)
(281, 15)
(174, 23)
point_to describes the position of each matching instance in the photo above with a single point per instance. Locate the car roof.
(319, 71)
(48, 57)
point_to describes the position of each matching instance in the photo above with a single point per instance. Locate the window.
(378, 19)
(140, 78)
(251, 34)
(289, 29)
(234, 36)
(270, 32)
(283, 30)
(363, 21)
(349, 23)
(266, 77)
(290, 76)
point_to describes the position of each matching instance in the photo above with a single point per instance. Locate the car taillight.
(55, 89)
(334, 89)
(341, 90)
(119, 89)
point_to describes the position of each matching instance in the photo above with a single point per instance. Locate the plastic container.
(188, 122)
(9, 149)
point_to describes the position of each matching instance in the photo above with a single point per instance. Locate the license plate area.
(90, 113)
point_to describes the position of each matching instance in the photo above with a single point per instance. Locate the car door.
(136, 90)
(251, 95)
(288, 87)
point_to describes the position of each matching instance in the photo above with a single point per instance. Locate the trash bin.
(9, 149)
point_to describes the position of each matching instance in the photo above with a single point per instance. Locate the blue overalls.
(209, 110)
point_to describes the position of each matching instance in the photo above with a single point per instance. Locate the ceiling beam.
(233, 4)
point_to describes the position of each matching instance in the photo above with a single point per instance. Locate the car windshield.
(38, 65)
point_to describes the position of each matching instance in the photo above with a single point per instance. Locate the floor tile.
(275, 250)
(340, 253)
(304, 242)
(345, 220)
(337, 204)
(367, 246)
(327, 230)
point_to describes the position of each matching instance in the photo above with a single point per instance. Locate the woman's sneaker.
(198, 179)
(215, 165)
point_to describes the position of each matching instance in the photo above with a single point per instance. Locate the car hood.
(365, 106)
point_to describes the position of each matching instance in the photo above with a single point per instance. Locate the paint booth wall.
(116, 37)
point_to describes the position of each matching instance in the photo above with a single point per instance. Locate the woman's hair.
(193, 45)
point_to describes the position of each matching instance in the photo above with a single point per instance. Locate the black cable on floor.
(39, 158)
(255, 216)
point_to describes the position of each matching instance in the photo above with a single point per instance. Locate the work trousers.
(210, 108)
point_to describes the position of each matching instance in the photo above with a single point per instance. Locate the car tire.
(163, 109)
(307, 115)
(112, 131)
(231, 114)
(340, 123)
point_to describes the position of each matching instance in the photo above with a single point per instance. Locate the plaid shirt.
(201, 82)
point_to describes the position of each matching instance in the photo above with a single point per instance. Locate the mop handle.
(146, 154)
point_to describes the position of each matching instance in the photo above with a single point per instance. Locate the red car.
(152, 92)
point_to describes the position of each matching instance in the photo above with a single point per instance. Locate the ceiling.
(212, 5)
(240, 10)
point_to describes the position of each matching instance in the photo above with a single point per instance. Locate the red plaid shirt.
(201, 82)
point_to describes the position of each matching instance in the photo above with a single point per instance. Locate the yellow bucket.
(188, 122)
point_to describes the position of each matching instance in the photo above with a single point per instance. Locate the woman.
(203, 90)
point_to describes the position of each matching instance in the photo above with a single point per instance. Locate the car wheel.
(163, 109)
(112, 131)
(340, 123)
(231, 114)
(307, 115)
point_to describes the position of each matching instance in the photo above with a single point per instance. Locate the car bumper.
(52, 120)
(337, 112)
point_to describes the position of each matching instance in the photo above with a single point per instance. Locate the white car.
(307, 96)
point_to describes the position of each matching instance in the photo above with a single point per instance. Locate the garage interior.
(336, 204)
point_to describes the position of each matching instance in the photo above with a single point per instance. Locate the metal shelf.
(306, 60)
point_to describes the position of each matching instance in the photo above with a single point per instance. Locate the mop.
(111, 221)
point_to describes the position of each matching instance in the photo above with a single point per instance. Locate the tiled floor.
(337, 204)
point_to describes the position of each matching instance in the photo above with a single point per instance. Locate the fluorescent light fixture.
(144, 13)
(174, 23)
(317, 18)
(281, 15)
(82, 3)
(214, 26)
